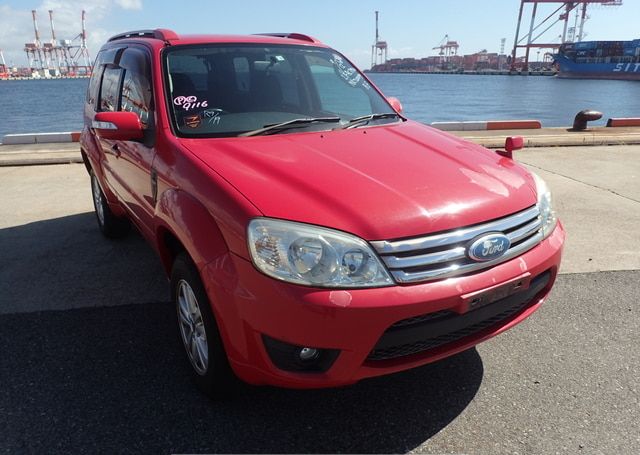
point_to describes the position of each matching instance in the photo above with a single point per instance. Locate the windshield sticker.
(346, 72)
(192, 121)
(212, 116)
(189, 102)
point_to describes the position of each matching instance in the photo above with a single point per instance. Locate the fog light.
(291, 357)
(308, 354)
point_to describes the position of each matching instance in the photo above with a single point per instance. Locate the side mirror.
(395, 104)
(512, 143)
(118, 126)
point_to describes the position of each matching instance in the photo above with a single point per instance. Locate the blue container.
(586, 45)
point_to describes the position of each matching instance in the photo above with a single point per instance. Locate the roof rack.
(298, 36)
(159, 33)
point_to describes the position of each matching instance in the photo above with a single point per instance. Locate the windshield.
(227, 90)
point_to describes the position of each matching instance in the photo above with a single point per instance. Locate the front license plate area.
(493, 294)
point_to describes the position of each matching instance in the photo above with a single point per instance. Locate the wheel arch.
(184, 224)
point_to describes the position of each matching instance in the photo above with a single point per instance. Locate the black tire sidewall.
(218, 378)
(111, 226)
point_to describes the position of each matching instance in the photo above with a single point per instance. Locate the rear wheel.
(110, 225)
(198, 330)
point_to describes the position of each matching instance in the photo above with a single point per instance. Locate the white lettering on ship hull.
(628, 68)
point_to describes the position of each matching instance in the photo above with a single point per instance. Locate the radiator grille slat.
(444, 255)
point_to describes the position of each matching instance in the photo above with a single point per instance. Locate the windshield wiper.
(354, 122)
(295, 123)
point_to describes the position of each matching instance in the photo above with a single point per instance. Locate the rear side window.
(110, 89)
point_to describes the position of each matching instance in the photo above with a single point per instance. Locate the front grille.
(444, 255)
(423, 333)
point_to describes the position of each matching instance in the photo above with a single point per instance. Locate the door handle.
(114, 150)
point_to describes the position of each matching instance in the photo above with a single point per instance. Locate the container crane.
(34, 50)
(530, 40)
(66, 57)
(447, 48)
(4, 71)
(378, 49)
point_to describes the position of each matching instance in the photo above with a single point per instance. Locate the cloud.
(130, 4)
(16, 27)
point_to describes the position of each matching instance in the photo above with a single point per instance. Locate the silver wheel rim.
(97, 199)
(192, 328)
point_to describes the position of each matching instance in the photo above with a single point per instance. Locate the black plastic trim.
(418, 335)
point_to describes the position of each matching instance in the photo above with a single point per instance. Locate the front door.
(130, 162)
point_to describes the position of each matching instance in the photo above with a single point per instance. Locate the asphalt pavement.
(90, 360)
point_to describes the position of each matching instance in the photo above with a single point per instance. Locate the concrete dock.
(90, 358)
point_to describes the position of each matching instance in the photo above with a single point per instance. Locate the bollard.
(582, 117)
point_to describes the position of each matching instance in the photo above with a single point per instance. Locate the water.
(41, 106)
(555, 102)
(56, 105)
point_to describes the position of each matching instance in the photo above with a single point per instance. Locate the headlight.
(314, 256)
(547, 215)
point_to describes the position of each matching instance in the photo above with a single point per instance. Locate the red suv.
(312, 234)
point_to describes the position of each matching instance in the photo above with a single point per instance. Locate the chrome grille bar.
(395, 262)
(444, 255)
(524, 231)
(455, 270)
(461, 235)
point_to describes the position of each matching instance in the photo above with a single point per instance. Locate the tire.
(110, 225)
(198, 331)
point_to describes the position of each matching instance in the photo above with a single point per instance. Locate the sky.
(411, 27)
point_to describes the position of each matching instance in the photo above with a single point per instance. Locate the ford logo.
(489, 247)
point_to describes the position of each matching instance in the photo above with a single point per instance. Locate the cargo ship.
(599, 60)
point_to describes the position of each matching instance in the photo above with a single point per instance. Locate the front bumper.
(249, 305)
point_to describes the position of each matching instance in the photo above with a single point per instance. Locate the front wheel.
(110, 225)
(198, 330)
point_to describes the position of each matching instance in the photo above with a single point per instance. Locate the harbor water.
(56, 105)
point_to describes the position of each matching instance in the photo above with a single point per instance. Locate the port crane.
(4, 71)
(562, 15)
(379, 48)
(447, 48)
(67, 57)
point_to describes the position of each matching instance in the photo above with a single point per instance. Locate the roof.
(170, 38)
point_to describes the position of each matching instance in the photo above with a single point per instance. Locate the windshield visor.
(223, 90)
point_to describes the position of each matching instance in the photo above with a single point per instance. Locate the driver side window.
(110, 89)
(136, 94)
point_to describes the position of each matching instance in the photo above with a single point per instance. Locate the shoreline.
(52, 78)
(471, 73)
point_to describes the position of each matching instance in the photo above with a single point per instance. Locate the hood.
(382, 182)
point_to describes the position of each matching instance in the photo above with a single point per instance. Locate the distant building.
(480, 61)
